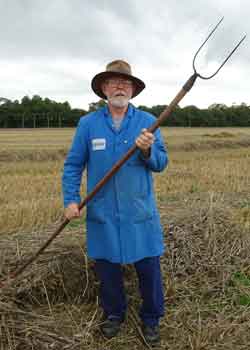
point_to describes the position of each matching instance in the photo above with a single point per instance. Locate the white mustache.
(119, 94)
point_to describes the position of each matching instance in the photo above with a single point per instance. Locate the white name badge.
(98, 144)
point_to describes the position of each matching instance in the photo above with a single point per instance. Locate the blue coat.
(123, 224)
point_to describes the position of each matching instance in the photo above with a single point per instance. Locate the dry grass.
(204, 200)
(31, 163)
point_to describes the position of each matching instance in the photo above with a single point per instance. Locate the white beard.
(119, 101)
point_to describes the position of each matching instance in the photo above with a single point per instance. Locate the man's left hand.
(144, 141)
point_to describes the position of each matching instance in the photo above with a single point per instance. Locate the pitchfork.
(187, 86)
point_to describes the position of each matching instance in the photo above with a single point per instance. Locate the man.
(123, 225)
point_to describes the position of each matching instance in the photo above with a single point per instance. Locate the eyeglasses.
(117, 82)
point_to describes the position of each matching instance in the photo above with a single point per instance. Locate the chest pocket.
(100, 151)
(98, 144)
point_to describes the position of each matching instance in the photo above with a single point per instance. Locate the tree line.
(37, 112)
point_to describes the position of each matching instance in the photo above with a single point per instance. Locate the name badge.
(98, 144)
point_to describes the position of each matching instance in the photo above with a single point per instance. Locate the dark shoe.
(110, 327)
(151, 334)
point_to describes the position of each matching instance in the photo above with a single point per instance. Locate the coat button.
(125, 141)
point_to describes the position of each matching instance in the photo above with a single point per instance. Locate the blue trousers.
(112, 295)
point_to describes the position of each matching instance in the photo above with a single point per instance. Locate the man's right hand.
(72, 211)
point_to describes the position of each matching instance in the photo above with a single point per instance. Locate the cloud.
(55, 47)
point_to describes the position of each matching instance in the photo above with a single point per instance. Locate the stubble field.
(204, 202)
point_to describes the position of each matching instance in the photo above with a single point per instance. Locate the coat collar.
(129, 114)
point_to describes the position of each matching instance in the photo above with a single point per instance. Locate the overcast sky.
(54, 48)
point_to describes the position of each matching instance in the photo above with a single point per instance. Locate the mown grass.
(204, 195)
(32, 163)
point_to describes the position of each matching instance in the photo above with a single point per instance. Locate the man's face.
(118, 91)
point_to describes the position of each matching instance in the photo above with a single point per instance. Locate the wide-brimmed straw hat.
(117, 68)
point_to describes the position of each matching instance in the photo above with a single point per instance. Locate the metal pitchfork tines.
(188, 85)
(192, 79)
(226, 59)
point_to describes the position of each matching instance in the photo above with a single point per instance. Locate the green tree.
(93, 106)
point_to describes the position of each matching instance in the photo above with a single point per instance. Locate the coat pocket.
(143, 209)
(95, 210)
